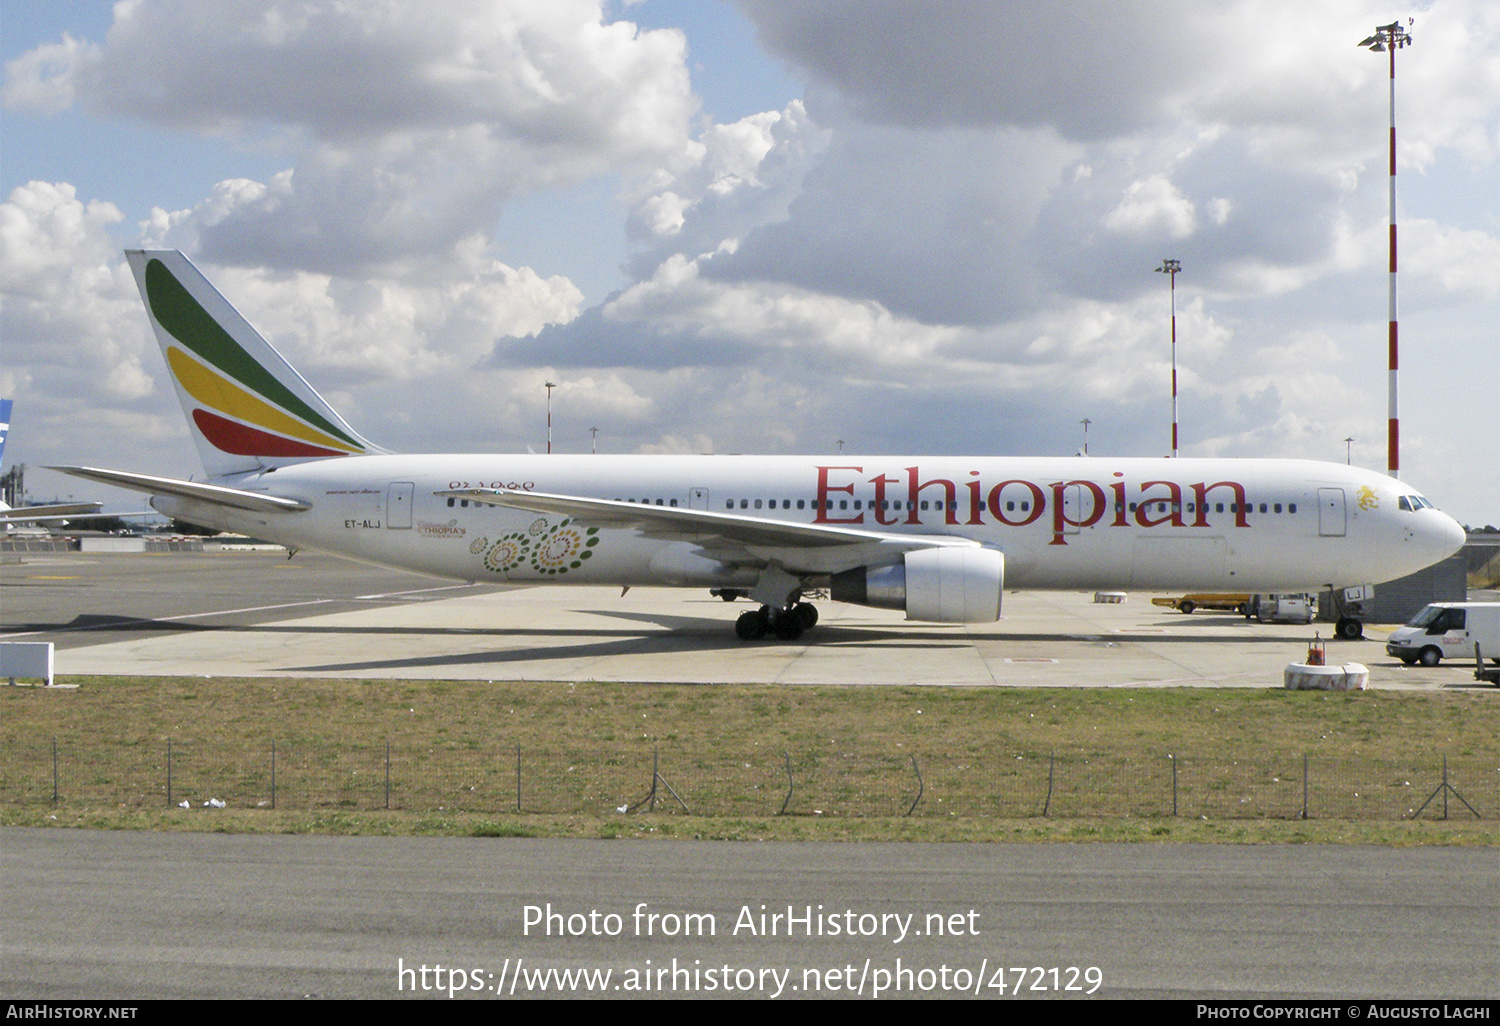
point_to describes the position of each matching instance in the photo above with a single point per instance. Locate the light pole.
(1085, 422)
(1390, 38)
(1349, 452)
(594, 432)
(550, 387)
(1170, 269)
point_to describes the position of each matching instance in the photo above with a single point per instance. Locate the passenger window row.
(1412, 502)
(1217, 507)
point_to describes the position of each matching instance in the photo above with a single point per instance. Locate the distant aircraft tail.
(247, 408)
(4, 424)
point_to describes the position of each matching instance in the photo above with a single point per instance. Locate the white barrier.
(1304, 677)
(26, 659)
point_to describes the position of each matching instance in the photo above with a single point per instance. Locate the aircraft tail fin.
(247, 408)
(4, 424)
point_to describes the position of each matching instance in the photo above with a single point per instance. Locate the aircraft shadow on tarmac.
(687, 635)
(107, 622)
(655, 633)
(682, 628)
(659, 632)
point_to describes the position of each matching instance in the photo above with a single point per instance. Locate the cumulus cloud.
(1096, 72)
(556, 75)
(369, 328)
(1208, 127)
(73, 318)
(724, 184)
(63, 296)
(1153, 207)
(40, 81)
(934, 225)
(413, 123)
(973, 62)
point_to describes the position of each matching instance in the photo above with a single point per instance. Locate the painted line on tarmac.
(414, 591)
(235, 612)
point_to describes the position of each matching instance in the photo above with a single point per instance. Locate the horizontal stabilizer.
(218, 495)
(56, 511)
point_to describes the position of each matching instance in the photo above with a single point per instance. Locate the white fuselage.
(1082, 522)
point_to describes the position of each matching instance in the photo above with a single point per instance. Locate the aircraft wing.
(218, 495)
(731, 537)
(57, 511)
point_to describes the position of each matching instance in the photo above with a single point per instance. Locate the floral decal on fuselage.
(548, 550)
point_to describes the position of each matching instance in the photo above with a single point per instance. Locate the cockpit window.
(1414, 502)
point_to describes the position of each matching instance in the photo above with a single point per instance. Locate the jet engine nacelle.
(941, 585)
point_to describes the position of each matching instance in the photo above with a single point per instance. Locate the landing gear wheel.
(1349, 629)
(787, 625)
(751, 626)
(806, 614)
(727, 594)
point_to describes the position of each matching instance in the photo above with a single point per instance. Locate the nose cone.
(1440, 536)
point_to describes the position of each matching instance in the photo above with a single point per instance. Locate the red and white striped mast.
(1390, 38)
(550, 387)
(1170, 269)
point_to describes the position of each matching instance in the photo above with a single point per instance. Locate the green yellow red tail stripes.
(247, 407)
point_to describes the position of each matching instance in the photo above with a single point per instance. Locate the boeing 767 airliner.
(939, 537)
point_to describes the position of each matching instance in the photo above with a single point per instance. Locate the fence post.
(1304, 785)
(1445, 787)
(786, 757)
(1051, 758)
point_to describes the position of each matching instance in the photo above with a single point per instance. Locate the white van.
(1448, 630)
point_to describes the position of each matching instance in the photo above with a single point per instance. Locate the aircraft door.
(1072, 509)
(698, 498)
(1331, 514)
(398, 505)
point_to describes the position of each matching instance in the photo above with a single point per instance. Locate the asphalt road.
(126, 916)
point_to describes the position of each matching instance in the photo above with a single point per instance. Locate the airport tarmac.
(257, 613)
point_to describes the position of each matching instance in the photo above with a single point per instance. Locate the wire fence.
(1065, 783)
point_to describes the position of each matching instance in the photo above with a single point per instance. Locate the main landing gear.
(787, 624)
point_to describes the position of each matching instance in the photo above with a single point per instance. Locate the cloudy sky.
(760, 226)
